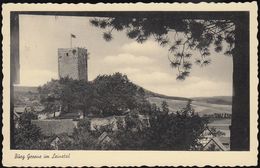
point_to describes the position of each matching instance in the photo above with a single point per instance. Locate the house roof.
(102, 136)
(55, 127)
(69, 116)
(61, 137)
(19, 109)
(207, 130)
(217, 142)
(224, 139)
(39, 108)
(16, 114)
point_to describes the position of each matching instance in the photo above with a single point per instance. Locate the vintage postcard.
(130, 84)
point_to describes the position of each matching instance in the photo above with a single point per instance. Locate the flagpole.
(70, 41)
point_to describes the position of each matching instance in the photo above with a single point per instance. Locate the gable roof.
(206, 129)
(20, 109)
(96, 123)
(16, 114)
(55, 127)
(217, 142)
(102, 136)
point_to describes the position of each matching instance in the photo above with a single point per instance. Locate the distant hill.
(149, 93)
(224, 100)
(201, 105)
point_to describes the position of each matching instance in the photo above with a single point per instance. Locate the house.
(214, 144)
(44, 116)
(104, 141)
(113, 122)
(206, 135)
(225, 128)
(211, 142)
(20, 110)
(38, 108)
(58, 140)
(116, 121)
(104, 138)
(97, 123)
(225, 141)
(35, 109)
(144, 120)
(71, 115)
(55, 127)
(16, 119)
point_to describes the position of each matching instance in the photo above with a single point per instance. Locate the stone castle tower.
(73, 63)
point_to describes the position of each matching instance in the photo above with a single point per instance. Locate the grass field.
(201, 108)
(174, 105)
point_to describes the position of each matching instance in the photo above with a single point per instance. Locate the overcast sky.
(145, 64)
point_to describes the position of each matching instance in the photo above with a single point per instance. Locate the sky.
(145, 64)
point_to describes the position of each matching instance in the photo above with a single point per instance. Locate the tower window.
(67, 54)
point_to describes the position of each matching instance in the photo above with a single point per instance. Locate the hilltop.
(224, 100)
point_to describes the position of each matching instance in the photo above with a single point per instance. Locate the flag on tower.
(73, 36)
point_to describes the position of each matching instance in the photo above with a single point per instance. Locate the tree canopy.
(181, 37)
(116, 94)
(105, 96)
(180, 131)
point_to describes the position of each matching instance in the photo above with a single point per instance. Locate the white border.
(134, 158)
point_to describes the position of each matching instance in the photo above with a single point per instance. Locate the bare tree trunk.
(240, 107)
(15, 67)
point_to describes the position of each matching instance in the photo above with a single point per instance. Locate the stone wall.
(83, 64)
(72, 63)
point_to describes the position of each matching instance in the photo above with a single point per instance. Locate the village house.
(209, 141)
(58, 140)
(214, 144)
(114, 121)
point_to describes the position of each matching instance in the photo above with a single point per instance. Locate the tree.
(107, 95)
(189, 31)
(50, 95)
(181, 36)
(83, 137)
(131, 135)
(28, 135)
(165, 107)
(181, 131)
(116, 94)
(67, 94)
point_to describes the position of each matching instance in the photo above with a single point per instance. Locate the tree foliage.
(181, 36)
(116, 94)
(180, 131)
(83, 138)
(165, 107)
(28, 135)
(67, 94)
(105, 96)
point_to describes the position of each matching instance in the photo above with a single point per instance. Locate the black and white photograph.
(130, 81)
